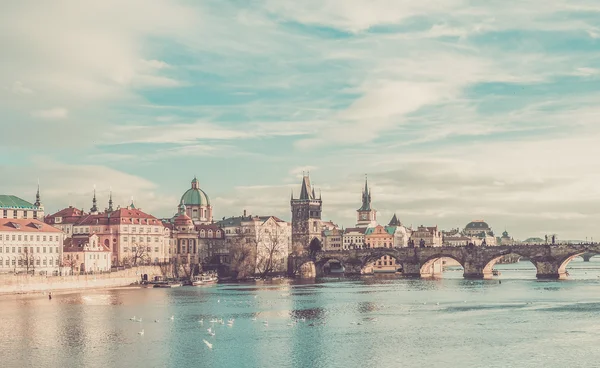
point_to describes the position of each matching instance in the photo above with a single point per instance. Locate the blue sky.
(457, 110)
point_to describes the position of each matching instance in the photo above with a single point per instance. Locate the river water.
(363, 322)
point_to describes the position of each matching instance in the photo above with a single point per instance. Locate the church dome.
(195, 196)
(477, 225)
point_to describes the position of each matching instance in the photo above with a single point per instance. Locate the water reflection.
(384, 322)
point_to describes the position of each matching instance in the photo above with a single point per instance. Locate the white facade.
(353, 238)
(88, 256)
(30, 246)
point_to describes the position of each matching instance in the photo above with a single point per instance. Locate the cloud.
(55, 113)
(19, 89)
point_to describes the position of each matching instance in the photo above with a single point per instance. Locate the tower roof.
(394, 221)
(306, 192)
(366, 198)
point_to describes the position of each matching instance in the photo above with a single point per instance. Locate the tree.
(70, 261)
(28, 259)
(242, 251)
(270, 253)
(138, 255)
(164, 267)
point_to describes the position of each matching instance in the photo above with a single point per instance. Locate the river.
(361, 322)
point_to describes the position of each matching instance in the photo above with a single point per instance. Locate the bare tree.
(70, 261)
(242, 252)
(28, 259)
(270, 253)
(138, 255)
(165, 267)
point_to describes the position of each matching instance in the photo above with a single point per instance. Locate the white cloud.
(55, 113)
(20, 89)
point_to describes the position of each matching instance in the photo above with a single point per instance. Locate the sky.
(457, 110)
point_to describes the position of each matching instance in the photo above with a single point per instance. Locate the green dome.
(195, 197)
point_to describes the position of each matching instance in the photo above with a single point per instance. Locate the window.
(56, 249)
(155, 229)
(148, 239)
(156, 240)
(19, 250)
(24, 214)
(19, 237)
(133, 249)
(45, 262)
(37, 249)
(13, 249)
(37, 262)
(35, 214)
(44, 238)
(148, 249)
(125, 239)
(14, 216)
(156, 249)
(13, 238)
(50, 249)
(5, 215)
(44, 249)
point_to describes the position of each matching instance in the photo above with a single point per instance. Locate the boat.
(170, 284)
(204, 279)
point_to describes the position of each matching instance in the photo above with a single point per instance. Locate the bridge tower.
(366, 216)
(306, 218)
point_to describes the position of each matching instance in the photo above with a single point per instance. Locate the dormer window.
(57, 220)
(15, 225)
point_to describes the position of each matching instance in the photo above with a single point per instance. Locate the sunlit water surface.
(366, 322)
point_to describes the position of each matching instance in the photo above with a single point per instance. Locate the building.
(306, 219)
(354, 238)
(133, 236)
(401, 233)
(86, 255)
(65, 219)
(332, 239)
(29, 245)
(481, 233)
(197, 204)
(385, 264)
(13, 207)
(428, 236)
(366, 216)
(268, 240)
(379, 237)
(506, 239)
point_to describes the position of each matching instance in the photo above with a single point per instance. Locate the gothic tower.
(366, 216)
(306, 218)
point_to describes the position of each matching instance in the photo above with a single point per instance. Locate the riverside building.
(29, 245)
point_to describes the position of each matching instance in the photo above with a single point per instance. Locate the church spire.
(366, 197)
(94, 208)
(305, 191)
(38, 203)
(110, 201)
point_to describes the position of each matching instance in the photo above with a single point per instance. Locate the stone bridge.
(549, 260)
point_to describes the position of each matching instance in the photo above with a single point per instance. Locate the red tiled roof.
(69, 215)
(120, 216)
(26, 225)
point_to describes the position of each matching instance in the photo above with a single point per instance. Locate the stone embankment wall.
(20, 284)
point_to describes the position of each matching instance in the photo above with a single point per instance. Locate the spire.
(94, 208)
(366, 197)
(195, 183)
(110, 201)
(305, 192)
(132, 206)
(38, 203)
(394, 221)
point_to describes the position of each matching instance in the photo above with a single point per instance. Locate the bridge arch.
(488, 268)
(381, 255)
(427, 268)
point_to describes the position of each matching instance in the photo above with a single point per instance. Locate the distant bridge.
(550, 260)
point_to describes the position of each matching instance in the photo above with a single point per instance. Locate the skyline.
(456, 111)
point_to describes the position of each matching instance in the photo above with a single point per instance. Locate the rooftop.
(11, 201)
(26, 225)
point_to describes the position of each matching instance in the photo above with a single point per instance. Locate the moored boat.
(204, 279)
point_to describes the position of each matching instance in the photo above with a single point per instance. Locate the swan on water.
(208, 344)
(141, 332)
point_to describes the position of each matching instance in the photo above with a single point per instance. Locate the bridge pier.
(411, 269)
(587, 256)
(549, 270)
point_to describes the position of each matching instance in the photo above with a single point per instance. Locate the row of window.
(20, 237)
(125, 229)
(15, 214)
(134, 249)
(90, 256)
(141, 239)
(29, 250)
(23, 262)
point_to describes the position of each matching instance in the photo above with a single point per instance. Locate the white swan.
(208, 344)
(172, 318)
(132, 318)
(141, 333)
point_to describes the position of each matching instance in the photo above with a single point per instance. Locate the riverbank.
(26, 284)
